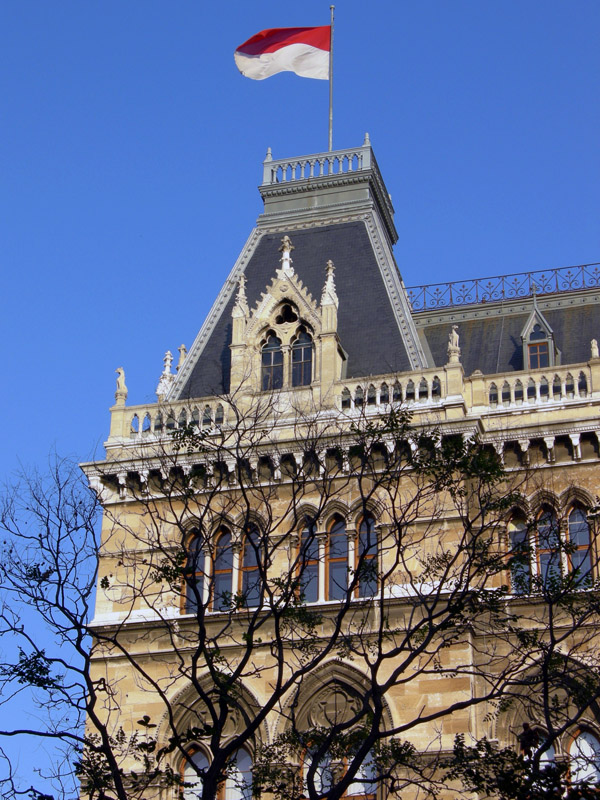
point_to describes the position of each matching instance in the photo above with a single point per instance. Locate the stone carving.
(166, 378)
(121, 393)
(329, 293)
(332, 706)
(240, 308)
(453, 347)
(182, 354)
(595, 352)
(286, 259)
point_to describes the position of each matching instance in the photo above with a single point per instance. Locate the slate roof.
(367, 327)
(490, 339)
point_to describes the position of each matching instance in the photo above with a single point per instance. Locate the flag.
(304, 51)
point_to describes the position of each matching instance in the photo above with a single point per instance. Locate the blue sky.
(131, 149)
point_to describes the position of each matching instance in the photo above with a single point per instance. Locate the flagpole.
(331, 83)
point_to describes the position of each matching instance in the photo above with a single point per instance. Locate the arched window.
(302, 351)
(329, 771)
(493, 395)
(366, 558)
(222, 571)
(584, 754)
(579, 545)
(538, 351)
(548, 548)
(520, 572)
(250, 567)
(238, 785)
(193, 789)
(308, 563)
(272, 364)
(194, 573)
(336, 560)
(384, 394)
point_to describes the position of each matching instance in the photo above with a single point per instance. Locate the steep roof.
(332, 206)
(490, 334)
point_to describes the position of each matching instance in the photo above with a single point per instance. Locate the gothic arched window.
(222, 571)
(250, 567)
(579, 544)
(366, 558)
(309, 562)
(302, 357)
(336, 560)
(272, 364)
(584, 753)
(548, 548)
(191, 776)
(520, 573)
(194, 573)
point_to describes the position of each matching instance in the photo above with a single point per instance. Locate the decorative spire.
(182, 354)
(269, 156)
(166, 378)
(240, 309)
(329, 294)
(367, 141)
(286, 259)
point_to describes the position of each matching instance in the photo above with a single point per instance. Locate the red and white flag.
(304, 51)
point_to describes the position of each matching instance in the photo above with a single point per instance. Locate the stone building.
(269, 472)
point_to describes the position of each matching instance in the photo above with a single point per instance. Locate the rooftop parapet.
(338, 182)
(504, 287)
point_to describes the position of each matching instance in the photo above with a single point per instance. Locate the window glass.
(519, 556)
(194, 575)
(309, 563)
(585, 758)
(191, 777)
(337, 561)
(222, 572)
(238, 785)
(302, 360)
(366, 553)
(272, 364)
(250, 571)
(328, 772)
(538, 355)
(548, 548)
(579, 541)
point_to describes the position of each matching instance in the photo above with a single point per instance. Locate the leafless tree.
(275, 602)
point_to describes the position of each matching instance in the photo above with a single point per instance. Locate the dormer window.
(537, 349)
(302, 350)
(272, 364)
(537, 337)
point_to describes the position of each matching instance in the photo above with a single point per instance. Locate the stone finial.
(286, 258)
(166, 378)
(240, 308)
(594, 349)
(329, 294)
(453, 347)
(269, 156)
(182, 354)
(367, 141)
(121, 393)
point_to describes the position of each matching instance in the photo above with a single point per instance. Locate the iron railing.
(504, 287)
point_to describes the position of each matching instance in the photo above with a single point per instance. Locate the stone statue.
(286, 248)
(121, 393)
(453, 348)
(595, 352)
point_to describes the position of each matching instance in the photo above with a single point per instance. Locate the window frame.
(272, 371)
(194, 544)
(337, 520)
(222, 532)
(250, 530)
(365, 558)
(307, 561)
(302, 344)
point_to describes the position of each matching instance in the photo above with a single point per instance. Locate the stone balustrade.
(547, 385)
(316, 166)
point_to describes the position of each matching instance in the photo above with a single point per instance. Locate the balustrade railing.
(504, 287)
(318, 165)
(543, 386)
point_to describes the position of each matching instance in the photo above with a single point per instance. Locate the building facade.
(338, 467)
